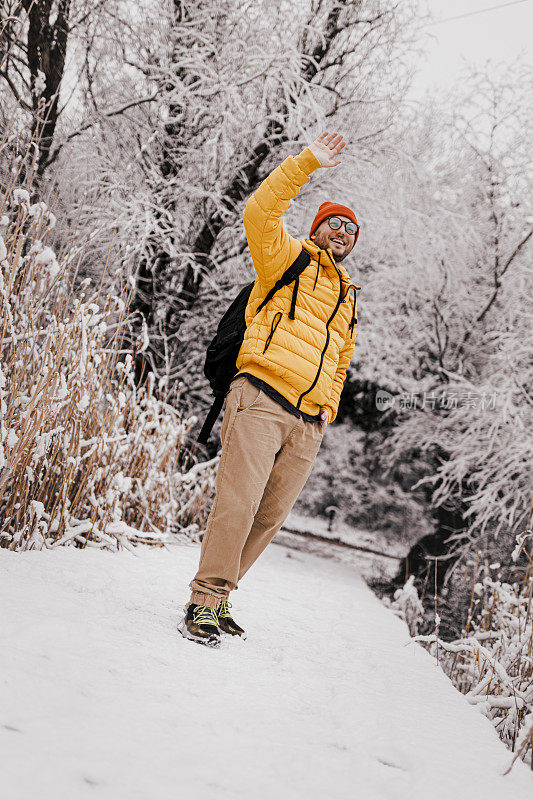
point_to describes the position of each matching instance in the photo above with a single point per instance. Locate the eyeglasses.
(335, 223)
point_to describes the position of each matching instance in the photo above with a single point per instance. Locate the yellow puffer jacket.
(305, 359)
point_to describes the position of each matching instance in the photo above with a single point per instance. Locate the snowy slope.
(328, 698)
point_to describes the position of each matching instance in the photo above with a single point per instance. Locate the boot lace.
(223, 610)
(203, 615)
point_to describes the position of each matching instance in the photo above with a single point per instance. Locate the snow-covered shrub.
(86, 456)
(492, 662)
(407, 605)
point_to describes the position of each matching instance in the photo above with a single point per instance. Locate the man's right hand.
(326, 148)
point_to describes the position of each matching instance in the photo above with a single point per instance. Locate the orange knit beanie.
(328, 209)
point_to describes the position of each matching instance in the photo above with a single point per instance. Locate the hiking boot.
(200, 624)
(226, 623)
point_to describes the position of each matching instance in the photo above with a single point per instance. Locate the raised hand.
(327, 147)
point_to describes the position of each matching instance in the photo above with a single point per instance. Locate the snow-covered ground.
(100, 697)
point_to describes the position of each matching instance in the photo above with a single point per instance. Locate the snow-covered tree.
(450, 278)
(229, 90)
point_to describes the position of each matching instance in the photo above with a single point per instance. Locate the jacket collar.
(325, 259)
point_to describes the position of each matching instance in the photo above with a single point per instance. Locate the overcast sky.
(498, 35)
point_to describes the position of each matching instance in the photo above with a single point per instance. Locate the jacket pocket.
(275, 322)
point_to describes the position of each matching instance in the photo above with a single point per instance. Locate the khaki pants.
(267, 456)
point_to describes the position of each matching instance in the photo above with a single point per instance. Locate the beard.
(323, 240)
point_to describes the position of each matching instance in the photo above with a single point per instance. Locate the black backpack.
(220, 362)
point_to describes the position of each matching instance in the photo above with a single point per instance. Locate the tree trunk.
(47, 49)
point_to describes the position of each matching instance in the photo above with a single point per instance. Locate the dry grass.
(85, 456)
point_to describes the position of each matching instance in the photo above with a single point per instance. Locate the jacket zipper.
(274, 325)
(339, 301)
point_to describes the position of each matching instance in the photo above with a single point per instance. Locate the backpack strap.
(291, 273)
(211, 418)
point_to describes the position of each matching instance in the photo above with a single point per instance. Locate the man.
(291, 368)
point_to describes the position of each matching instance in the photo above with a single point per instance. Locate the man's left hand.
(325, 416)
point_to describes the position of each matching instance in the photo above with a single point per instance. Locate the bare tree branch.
(104, 114)
(508, 263)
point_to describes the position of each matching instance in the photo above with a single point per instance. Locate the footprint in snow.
(393, 757)
(11, 728)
